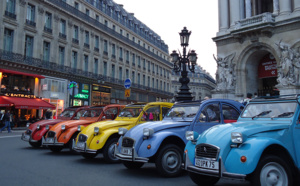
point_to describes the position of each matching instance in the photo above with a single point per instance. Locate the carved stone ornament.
(225, 76)
(70, 23)
(41, 10)
(81, 29)
(92, 34)
(56, 18)
(22, 2)
(288, 69)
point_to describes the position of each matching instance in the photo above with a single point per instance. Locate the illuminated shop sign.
(19, 95)
(82, 96)
(101, 89)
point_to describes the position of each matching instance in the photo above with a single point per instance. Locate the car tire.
(108, 151)
(132, 165)
(55, 148)
(89, 155)
(168, 161)
(71, 142)
(203, 180)
(36, 144)
(272, 170)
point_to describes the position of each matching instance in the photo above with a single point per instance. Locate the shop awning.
(25, 103)
(21, 73)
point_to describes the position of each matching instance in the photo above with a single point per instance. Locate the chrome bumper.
(221, 173)
(53, 142)
(26, 137)
(134, 157)
(83, 148)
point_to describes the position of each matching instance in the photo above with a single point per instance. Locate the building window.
(127, 56)
(76, 5)
(105, 49)
(120, 73)
(148, 81)
(144, 64)
(113, 71)
(127, 74)
(96, 66)
(30, 18)
(46, 51)
(106, 23)
(8, 40)
(139, 61)
(132, 76)
(113, 51)
(86, 63)
(10, 7)
(97, 43)
(97, 18)
(75, 35)
(28, 46)
(152, 82)
(121, 31)
(87, 39)
(105, 68)
(74, 60)
(139, 79)
(121, 53)
(48, 22)
(62, 32)
(61, 55)
(114, 27)
(133, 59)
(87, 12)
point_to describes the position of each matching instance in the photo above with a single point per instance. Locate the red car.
(37, 130)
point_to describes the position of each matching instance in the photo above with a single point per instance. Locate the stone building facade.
(90, 46)
(257, 48)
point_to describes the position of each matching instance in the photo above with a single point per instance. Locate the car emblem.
(205, 150)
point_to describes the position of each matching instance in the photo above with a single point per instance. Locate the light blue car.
(263, 146)
(163, 142)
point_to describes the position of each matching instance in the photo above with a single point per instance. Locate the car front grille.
(82, 138)
(28, 131)
(51, 134)
(207, 151)
(127, 142)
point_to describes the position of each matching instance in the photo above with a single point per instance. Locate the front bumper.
(82, 147)
(51, 142)
(133, 157)
(221, 172)
(27, 137)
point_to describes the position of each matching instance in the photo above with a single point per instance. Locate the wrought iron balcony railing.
(10, 14)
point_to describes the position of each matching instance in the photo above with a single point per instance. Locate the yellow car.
(100, 137)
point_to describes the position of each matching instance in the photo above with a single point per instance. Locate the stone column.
(248, 8)
(296, 5)
(234, 11)
(285, 7)
(276, 7)
(223, 15)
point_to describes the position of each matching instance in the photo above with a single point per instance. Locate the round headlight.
(191, 135)
(122, 131)
(28, 124)
(96, 129)
(47, 127)
(63, 127)
(148, 132)
(38, 127)
(79, 128)
(236, 137)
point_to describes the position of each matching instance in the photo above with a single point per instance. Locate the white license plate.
(80, 145)
(50, 140)
(126, 151)
(208, 164)
(26, 137)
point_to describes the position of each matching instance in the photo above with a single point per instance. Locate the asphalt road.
(20, 164)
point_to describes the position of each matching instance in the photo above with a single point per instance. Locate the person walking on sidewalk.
(6, 119)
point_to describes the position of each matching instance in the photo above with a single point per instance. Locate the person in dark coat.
(6, 119)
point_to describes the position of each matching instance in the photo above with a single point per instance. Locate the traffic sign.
(127, 93)
(127, 83)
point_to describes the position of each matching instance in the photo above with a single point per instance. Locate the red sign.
(267, 67)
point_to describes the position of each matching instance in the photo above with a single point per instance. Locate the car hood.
(70, 124)
(43, 123)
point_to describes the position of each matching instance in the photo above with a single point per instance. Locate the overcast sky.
(168, 17)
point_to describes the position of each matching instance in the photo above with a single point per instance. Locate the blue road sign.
(127, 83)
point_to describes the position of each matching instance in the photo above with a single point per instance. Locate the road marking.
(10, 136)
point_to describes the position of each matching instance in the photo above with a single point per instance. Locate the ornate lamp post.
(181, 63)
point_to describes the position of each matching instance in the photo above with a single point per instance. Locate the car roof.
(276, 98)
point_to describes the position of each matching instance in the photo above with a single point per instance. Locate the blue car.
(263, 146)
(163, 142)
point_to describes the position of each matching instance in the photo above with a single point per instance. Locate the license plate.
(208, 164)
(26, 137)
(80, 145)
(50, 140)
(126, 151)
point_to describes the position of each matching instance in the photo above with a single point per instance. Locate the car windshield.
(184, 113)
(269, 110)
(67, 113)
(131, 112)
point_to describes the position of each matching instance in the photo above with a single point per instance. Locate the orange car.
(63, 134)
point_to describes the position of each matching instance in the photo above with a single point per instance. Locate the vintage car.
(37, 130)
(163, 142)
(62, 134)
(263, 146)
(102, 136)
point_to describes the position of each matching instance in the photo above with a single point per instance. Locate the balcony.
(75, 41)
(105, 53)
(265, 18)
(10, 15)
(30, 23)
(113, 56)
(120, 59)
(86, 45)
(49, 30)
(63, 36)
(96, 49)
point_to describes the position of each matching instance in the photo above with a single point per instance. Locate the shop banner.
(267, 67)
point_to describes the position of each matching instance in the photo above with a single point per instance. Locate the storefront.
(79, 94)
(100, 95)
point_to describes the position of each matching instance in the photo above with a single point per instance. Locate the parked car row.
(209, 139)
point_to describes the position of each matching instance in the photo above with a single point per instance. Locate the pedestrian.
(6, 119)
(247, 99)
(206, 98)
(48, 114)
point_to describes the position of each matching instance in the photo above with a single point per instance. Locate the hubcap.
(171, 160)
(273, 174)
(111, 151)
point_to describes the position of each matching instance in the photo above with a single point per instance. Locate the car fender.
(252, 149)
(38, 134)
(155, 141)
(190, 149)
(99, 140)
(67, 135)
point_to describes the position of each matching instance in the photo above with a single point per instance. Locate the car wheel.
(71, 142)
(109, 149)
(36, 144)
(272, 170)
(168, 161)
(132, 165)
(55, 148)
(88, 155)
(203, 180)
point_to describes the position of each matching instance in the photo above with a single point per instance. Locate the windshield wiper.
(262, 113)
(282, 115)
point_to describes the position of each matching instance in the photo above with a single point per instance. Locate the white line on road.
(10, 136)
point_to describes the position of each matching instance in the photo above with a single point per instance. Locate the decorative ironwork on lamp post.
(181, 63)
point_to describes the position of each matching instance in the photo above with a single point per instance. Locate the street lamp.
(100, 81)
(181, 62)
